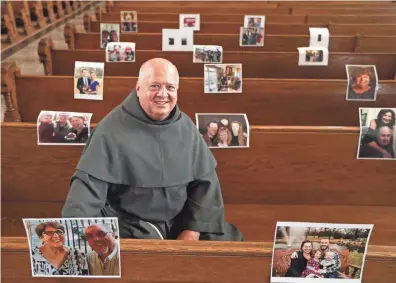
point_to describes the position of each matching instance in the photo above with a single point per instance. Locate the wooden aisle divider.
(255, 64)
(259, 99)
(144, 261)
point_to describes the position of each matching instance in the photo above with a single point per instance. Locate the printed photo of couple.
(254, 21)
(120, 52)
(377, 133)
(88, 80)
(207, 54)
(109, 33)
(309, 56)
(128, 21)
(73, 247)
(322, 251)
(63, 128)
(223, 78)
(362, 82)
(224, 130)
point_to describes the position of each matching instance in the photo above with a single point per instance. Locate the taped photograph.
(251, 37)
(207, 54)
(190, 21)
(319, 252)
(362, 82)
(254, 21)
(223, 78)
(109, 33)
(313, 56)
(377, 134)
(221, 130)
(128, 21)
(74, 247)
(120, 52)
(63, 128)
(88, 80)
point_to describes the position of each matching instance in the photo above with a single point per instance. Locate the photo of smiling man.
(104, 259)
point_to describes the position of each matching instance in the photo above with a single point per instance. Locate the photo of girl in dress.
(73, 247)
(321, 251)
(109, 33)
(120, 52)
(362, 82)
(224, 130)
(251, 37)
(63, 128)
(377, 133)
(88, 80)
(128, 21)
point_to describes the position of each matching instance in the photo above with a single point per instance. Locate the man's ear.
(137, 88)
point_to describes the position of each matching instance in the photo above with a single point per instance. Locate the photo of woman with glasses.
(53, 257)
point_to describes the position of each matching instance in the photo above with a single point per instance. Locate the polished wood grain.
(255, 64)
(159, 261)
(271, 28)
(303, 102)
(294, 166)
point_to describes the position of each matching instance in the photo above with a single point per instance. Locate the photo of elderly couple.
(377, 133)
(73, 247)
(224, 130)
(322, 251)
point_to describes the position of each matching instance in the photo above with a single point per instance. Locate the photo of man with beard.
(105, 258)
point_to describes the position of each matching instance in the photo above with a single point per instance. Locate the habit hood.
(127, 147)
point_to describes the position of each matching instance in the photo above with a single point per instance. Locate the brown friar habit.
(157, 177)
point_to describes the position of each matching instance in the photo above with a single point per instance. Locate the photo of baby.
(88, 80)
(120, 52)
(322, 251)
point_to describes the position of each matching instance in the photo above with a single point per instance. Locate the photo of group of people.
(88, 80)
(207, 54)
(67, 128)
(128, 21)
(223, 78)
(190, 21)
(362, 82)
(109, 33)
(224, 130)
(74, 247)
(252, 32)
(120, 52)
(377, 133)
(319, 252)
(313, 56)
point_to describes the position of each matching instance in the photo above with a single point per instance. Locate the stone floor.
(27, 58)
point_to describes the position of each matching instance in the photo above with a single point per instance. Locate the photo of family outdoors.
(224, 130)
(362, 82)
(326, 252)
(120, 52)
(88, 80)
(74, 247)
(223, 78)
(377, 133)
(207, 54)
(128, 21)
(63, 128)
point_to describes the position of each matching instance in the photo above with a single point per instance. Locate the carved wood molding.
(98, 14)
(60, 11)
(87, 22)
(69, 32)
(9, 71)
(50, 9)
(44, 52)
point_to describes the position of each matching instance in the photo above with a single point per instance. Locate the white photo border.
(227, 92)
(348, 82)
(197, 19)
(207, 46)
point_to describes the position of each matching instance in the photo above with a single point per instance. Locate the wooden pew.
(274, 28)
(231, 42)
(342, 11)
(211, 262)
(217, 17)
(260, 100)
(255, 64)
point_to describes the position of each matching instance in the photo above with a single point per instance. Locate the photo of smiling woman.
(72, 247)
(362, 82)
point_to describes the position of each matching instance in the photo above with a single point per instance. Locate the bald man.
(147, 164)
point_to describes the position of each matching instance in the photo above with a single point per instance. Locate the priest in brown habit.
(147, 164)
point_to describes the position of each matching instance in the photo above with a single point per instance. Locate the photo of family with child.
(120, 52)
(321, 251)
(252, 37)
(88, 80)
(72, 247)
(67, 128)
(109, 33)
(224, 130)
(377, 133)
(223, 78)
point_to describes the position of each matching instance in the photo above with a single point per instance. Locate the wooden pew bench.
(231, 42)
(256, 64)
(272, 28)
(260, 99)
(145, 261)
